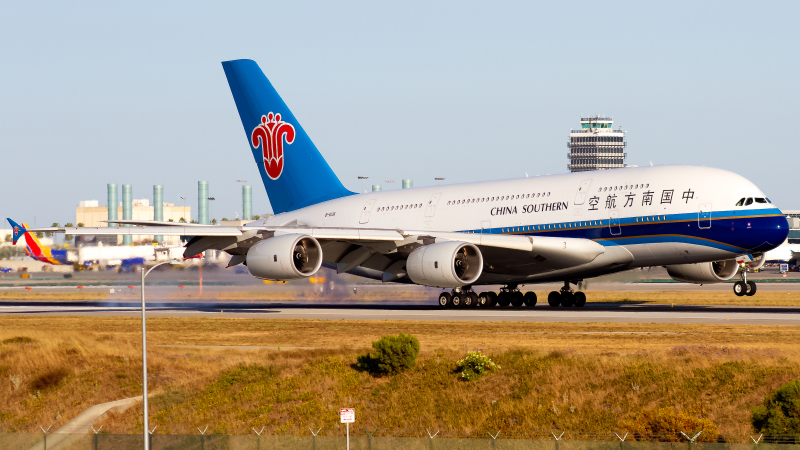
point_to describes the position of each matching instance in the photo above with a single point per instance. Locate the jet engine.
(286, 257)
(446, 264)
(702, 273)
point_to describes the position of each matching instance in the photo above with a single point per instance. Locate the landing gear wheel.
(504, 299)
(739, 288)
(484, 300)
(567, 299)
(580, 299)
(445, 300)
(471, 300)
(751, 288)
(492, 298)
(554, 299)
(517, 299)
(457, 301)
(530, 299)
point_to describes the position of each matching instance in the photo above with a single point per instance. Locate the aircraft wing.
(376, 249)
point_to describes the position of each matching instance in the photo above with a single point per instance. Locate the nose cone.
(771, 232)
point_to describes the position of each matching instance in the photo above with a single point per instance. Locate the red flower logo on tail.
(270, 136)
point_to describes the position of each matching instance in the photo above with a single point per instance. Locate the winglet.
(17, 229)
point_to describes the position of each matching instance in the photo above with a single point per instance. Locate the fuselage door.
(365, 212)
(583, 189)
(431, 207)
(704, 218)
(613, 223)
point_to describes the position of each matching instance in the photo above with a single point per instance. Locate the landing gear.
(445, 299)
(530, 299)
(566, 297)
(744, 287)
(459, 298)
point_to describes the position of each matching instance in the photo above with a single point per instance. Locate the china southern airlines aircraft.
(695, 221)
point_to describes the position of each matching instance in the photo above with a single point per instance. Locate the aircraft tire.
(517, 299)
(471, 300)
(504, 299)
(530, 299)
(567, 299)
(484, 300)
(751, 288)
(445, 300)
(739, 288)
(554, 299)
(580, 299)
(492, 298)
(457, 301)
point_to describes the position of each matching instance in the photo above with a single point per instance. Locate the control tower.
(596, 146)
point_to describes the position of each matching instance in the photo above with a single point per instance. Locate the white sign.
(784, 267)
(347, 415)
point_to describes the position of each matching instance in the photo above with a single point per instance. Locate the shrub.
(392, 354)
(780, 413)
(19, 340)
(49, 380)
(474, 365)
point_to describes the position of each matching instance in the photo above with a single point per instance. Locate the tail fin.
(294, 172)
(17, 231)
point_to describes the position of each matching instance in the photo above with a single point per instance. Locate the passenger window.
(749, 201)
(740, 202)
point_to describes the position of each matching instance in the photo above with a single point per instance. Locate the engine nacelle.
(445, 264)
(703, 273)
(286, 257)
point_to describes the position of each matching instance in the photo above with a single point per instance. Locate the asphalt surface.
(606, 312)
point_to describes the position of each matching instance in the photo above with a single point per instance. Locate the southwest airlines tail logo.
(269, 136)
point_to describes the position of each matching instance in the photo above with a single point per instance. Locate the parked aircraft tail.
(295, 174)
(17, 231)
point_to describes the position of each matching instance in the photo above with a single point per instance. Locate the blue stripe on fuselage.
(735, 231)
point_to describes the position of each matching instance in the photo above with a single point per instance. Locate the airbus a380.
(695, 221)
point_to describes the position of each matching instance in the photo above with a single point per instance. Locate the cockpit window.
(761, 200)
(749, 201)
(740, 202)
(769, 201)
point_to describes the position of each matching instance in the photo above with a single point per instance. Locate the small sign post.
(347, 416)
(784, 268)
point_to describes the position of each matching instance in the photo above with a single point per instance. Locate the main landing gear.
(566, 297)
(509, 295)
(744, 287)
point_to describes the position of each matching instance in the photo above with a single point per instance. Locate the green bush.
(474, 365)
(780, 413)
(392, 354)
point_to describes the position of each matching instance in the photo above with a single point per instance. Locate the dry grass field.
(577, 377)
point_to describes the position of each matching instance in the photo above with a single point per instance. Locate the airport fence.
(383, 439)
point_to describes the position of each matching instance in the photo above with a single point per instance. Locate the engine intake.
(445, 264)
(702, 273)
(287, 257)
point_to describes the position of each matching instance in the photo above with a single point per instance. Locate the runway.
(622, 313)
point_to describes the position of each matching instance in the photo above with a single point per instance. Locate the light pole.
(438, 179)
(362, 178)
(184, 209)
(144, 352)
(211, 207)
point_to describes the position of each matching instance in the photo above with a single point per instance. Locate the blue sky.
(92, 93)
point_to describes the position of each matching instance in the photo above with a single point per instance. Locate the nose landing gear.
(744, 287)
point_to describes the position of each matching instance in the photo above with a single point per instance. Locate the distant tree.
(393, 354)
(182, 220)
(80, 225)
(213, 221)
(193, 221)
(224, 219)
(170, 220)
(50, 233)
(39, 234)
(256, 217)
(9, 237)
(780, 413)
(68, 237)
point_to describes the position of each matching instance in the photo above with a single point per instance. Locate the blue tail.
(17, 230)
(294, 172)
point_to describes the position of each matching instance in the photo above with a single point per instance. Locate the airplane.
(785, 253)
(35, 249)
(695, 221)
